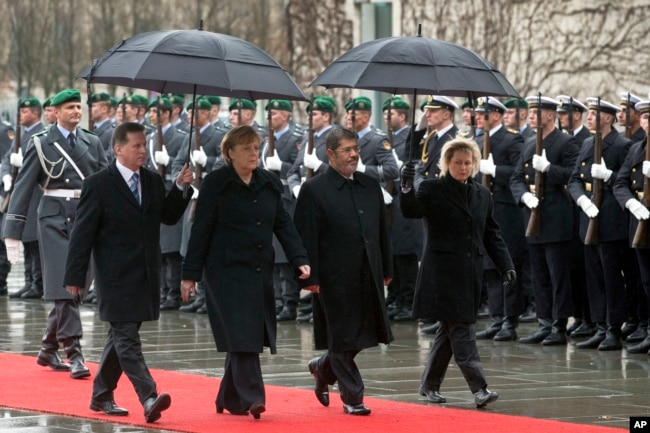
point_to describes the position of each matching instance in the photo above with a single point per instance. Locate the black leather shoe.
(506, 334)
(52, 360)
(170, 304)
(575, 325)
(306, 318)
(492, 329)
(287, 313)
(191, 308)
(232, 411)
(485, 396)
(529, 315)
(538, 336)
(203, 309)
(32, 293)
(403, 314)
(613, 339)
(629, 327)
(642, 347)
(78, 369)
(154, 405)
(305, 309)
(3, 290)
(108, 407)
(256, 409)
(433, 396)
(555, 339)
(20, 292)
(585, 330)
(483, 310)
(595, 340)
(431, 329)
(321, 389)
(639, 334)
(356, 409)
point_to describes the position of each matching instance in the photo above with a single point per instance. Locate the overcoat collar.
(145, 182)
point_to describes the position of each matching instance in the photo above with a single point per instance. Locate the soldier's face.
(318, 120)
(50, 114)
(546, 118)
(361, 119)
(28, 116)
(279, 119)
(467, 116)
(68, 114)
(644, 121)
(153, 115)
(622, 116)
(436, 117)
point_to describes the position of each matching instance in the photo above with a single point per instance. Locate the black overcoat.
(231, 240)
(123, 237)
(343, 237)
(460, 226)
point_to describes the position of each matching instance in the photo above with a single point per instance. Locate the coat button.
(258, 270)
(67, 199)
(68, 220)
(254, 201)
(259, 247)
(258, 224)
(583, 163)
(582, 175)
(67, 181)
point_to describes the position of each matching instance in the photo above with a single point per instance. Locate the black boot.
(173, 300)
(72, 348)
(48, 356)
(492, 329)
(613, 339)
(508, 331)
(639, 334)
(538, 336)
(630, 326)
(596, 339)
(642, 347)
(585, 330)
(577, 322)
(288, 312)
(557, 337)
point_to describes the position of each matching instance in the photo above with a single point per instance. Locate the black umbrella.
(188, 61)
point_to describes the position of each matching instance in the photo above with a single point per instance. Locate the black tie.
(71, 140)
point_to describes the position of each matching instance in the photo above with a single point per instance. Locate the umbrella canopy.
(194, 61)
(415, 64)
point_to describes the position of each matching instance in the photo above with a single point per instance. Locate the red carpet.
(25, 385)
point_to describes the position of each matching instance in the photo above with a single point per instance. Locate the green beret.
(30, 103)
(47, 102)
(67, 95)
(201, 104)
(114, 102)
(141, 100)
(465, 104)
(422, 104)
(214, 100)
(322, 103)
(176, 99)
(397, 103)
(279, 104)
(100, 97)
(244, 104)
(130, 100)
(360, 103)
(512, 103)
(161, 103)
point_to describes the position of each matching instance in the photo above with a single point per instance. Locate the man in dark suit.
(550, 248)
(118, 223)
(342, 220)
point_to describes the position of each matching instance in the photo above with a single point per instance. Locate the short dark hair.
(334, 137)
(121, 133)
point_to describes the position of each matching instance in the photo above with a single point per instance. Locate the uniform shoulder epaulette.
(181, 131)
(297, 133)
(7, 124)
(380, 132)
(513, 131)
(463, 134)
(88, 131)
(38, 134)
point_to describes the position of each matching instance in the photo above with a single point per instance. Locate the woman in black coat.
(460, 225)
(238, 210)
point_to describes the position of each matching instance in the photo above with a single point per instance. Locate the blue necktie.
(71, 140)
(134, 187)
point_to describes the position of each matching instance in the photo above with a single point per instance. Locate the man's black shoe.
(403, 315)
(170, 304)
(356, 409)
(20, 292)
(306, 318)
(321, 389)
(108, 407)
(52, 360)
(584, 330)
(191, 308)
(32, 293)
(638, 335)
(430, 329)
(154, 405)
(484, 396)
(203, 309)
(287, 313)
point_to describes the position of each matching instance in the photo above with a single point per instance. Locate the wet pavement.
(559, 383)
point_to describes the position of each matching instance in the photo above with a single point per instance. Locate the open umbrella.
(194, 61)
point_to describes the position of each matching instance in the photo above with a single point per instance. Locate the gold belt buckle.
(588, 186)
(77, 193)
(532, 188)
(639, 195)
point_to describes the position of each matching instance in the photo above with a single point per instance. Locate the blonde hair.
(459, 144)
(243, 134)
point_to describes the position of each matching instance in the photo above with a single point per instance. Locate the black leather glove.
(509, 279)
(408, 173)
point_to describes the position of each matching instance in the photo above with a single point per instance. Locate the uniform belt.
(65, 193)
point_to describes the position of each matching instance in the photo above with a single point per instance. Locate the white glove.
(530, 200)
(540, 163)
(637, 209)
(14, 250)
(195, 193)
(587, 206)
(388, 199)
(161, 156)
(600, 171)
(16, 159)
(6, 182)
(486, 166)
(296, 191)
(422, 123)
(399, 162)
(311, 161)
(200, 157)
(274, 162)
(645, 169)
(360, 167)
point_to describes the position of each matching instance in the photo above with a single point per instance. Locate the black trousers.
(171, 276)
(502, 302)
(579, 290)
(34, 265)
(402, 286)
(242, 383)
(63, 321)
(643, 257)
(340, 367)
(123, 353)
(285, 287)
(636, 298)
(605, 282)
(551, 268)
(457, 340)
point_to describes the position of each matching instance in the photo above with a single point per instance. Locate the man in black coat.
(342, 220)
(118, 223)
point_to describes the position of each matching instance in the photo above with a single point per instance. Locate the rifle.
(198, 170)
(535, 222)
(159, 143)
(487, 179)
(271, 137)
(353, 116)
(124, 108)
(628, 125)
(570, 130)
(239, 112)
(310, 137)
(591, 238)
(389, 136)
(14, 170)
(640, 236)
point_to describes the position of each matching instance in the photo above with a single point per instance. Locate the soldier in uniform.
(49, 111)
(603, 260)
(633, 123)
(439, 117)
(516, 115)
(630, 192)
(178, 104)
(406, 234)
(103, 125)
(207, 156)
(242, 111)
(287, 144)
(506, 146)
(30, 120)
(57, 160)
(550, 249)
(170, 235)
(129, 108)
